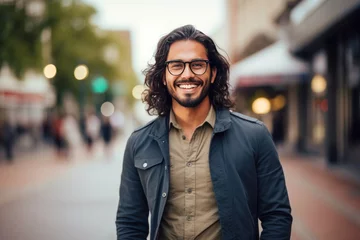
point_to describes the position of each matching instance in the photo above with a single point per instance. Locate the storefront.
(328, 37)
(267, 85)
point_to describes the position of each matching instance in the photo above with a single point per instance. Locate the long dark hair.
(156, 96)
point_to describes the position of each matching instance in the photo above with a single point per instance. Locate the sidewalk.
(325, 201)
(33, 170)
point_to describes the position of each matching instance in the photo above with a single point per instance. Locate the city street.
(51, 199)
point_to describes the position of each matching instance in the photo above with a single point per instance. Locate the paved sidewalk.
(325, 202)
(32, 171)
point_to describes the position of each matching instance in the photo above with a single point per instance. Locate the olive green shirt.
(191, 211)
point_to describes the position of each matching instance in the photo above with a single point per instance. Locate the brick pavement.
(325, 203)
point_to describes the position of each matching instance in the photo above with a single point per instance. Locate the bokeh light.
(81, 72)
(107, 109)
(318, 84)
(278, 103)
(261, 106)
(137, 91)
(50, 71)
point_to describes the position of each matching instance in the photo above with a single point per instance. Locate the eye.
(176, 65)
(198, 64)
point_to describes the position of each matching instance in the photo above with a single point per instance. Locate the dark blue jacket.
(246, 173)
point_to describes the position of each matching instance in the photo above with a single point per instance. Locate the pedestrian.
(107, 134)
(203, 171)
(58, 132)
(8, 138)
(92, 129)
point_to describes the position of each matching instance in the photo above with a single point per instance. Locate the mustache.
(190, 80)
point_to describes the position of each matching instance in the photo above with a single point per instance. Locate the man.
(201, 170)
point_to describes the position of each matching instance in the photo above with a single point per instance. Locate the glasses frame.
(189, 62)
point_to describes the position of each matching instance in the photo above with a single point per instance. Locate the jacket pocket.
(147, 163)
(151, 172)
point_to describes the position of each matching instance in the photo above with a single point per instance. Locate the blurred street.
(72, 89)
(50, 198)
(47, 198)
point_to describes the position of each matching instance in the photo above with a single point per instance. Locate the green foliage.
(74, 40)
(20, 45)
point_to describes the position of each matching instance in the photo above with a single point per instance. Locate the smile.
(187, 86)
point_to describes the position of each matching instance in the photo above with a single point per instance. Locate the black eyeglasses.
(177, 67)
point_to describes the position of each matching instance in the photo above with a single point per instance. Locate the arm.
(132, 214)
(273, 203)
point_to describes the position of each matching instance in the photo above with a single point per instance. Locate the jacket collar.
(160, 127)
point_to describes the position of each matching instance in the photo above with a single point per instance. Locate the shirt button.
(189, 190)
(164, 194)
(189, 164)
(188, 218)
(145, 165)
(183, 137)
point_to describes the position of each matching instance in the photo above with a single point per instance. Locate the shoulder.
(249, 125)
(244, 118)
(146, 126)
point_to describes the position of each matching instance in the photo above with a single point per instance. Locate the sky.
(148, 20)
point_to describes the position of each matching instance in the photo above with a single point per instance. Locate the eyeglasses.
(177, 67)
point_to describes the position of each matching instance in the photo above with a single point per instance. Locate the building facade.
(326, 34)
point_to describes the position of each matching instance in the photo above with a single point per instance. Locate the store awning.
(271, 66)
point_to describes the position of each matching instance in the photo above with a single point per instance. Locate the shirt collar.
(210, 118)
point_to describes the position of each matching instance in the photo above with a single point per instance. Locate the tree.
(20, 45)
(74, 40)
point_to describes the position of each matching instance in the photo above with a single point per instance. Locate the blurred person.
(203, 171)
(107, 134)
(117, 121)
(8, 133)
(46, 129)
(71, 134)
(59, 139)
(92, 129)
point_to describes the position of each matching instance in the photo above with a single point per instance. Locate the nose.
(187, 71)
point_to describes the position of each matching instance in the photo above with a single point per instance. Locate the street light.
(49, 71)
(81, 72)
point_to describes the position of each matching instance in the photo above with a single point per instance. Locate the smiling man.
(201, 170)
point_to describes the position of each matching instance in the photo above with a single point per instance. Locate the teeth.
(187, 86)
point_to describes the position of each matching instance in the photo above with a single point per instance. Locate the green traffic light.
(99, 85)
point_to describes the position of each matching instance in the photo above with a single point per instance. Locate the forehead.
(186, 50)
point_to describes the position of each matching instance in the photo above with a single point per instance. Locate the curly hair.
(156, 95)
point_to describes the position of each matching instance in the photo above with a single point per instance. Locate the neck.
(190, 118)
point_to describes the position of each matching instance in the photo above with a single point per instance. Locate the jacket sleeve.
(132, 214)
(273, 202)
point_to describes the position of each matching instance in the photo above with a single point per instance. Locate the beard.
(189, 101)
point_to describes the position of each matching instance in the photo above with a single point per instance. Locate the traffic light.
(99, 85)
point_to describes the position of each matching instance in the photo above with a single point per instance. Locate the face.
(188, 89)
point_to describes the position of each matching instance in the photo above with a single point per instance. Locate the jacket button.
(189, 190)
(164, 194)
(145, 165)
(188, 218)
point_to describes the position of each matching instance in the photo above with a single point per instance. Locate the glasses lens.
(198, 67)
(176, 68)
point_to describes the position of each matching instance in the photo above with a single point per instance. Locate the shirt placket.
(189, 188)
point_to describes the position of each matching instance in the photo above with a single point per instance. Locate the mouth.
(188, 85)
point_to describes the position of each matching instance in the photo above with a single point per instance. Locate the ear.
(213, 74)
(164, 79)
